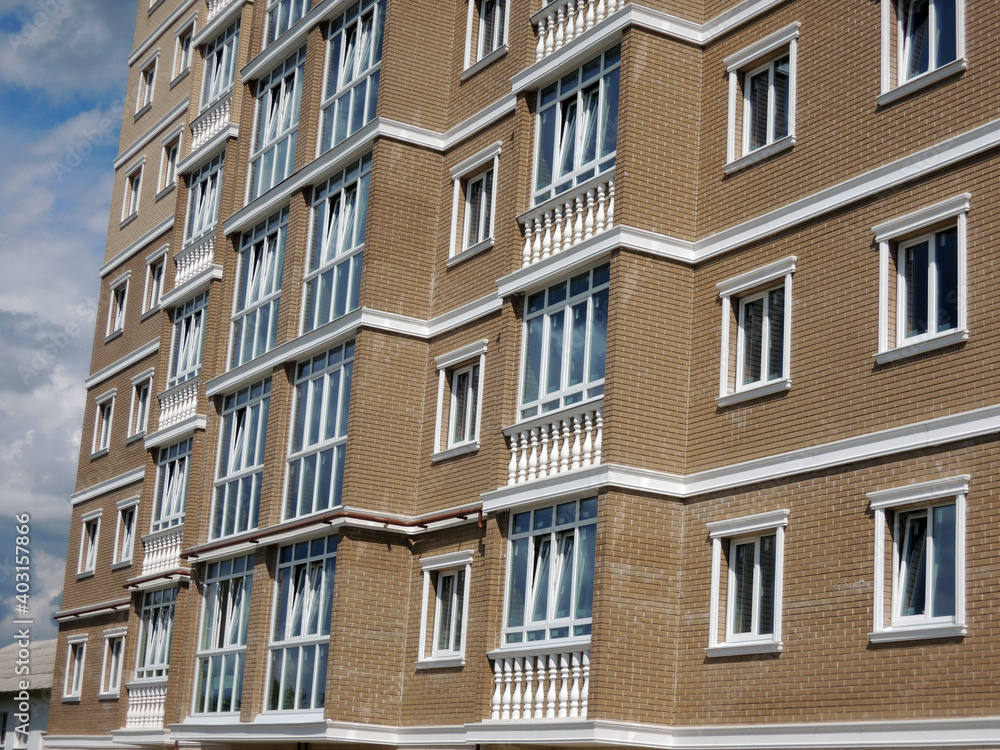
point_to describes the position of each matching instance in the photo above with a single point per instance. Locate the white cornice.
(208, 150)
(108, 485)
(93, 610)
(150, 135)
(285, 46)
(176, 432)
(926, 434)
(136, 246)
(192, 287)
(122, 364)
(167, 22)
(219, 23)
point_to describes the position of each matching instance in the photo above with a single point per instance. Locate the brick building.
(590, 373)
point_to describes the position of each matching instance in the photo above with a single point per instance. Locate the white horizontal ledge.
(124, 363)
(108, 485)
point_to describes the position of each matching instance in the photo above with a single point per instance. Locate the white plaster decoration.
(567, 220)
(211, 122)
(194, 259)
(541, 683)
(556, 443)
(178, 404)
(162, 550)
(564, 20)
(146, 702)
(215, 7)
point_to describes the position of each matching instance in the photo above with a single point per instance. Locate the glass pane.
(776, 333)
(609, 114)
(916, 45)
(516, 582)
(598, 336)
(459, 612)
(780, 98)
(943, 564)
(446, 592)
(567, 138)
(564, 577)
(946, 36)
(546, 146)
(557, 325)
(532, 359)
(742, 595)
(540, 580)
(757, 104)
(915, 268)
(765, 619)
(753, 335)
(913, 563)
(578, 343)
(584, 594)
(459, 403)
(946, 266)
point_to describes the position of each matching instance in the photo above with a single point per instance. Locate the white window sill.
(107, 696)
(921, 82)
(919, 633)
(541, 648)
(150, 312)
(764, 152)
(757, 391)
(135, 438)
(128, 220)
(165, 192)
(458, 450)
(925, 345)
(484, 62)
(120, 565)
(180, 76)
(85, 574)
(71, 699)
(113, 335)
(441, 662)
(289, 717)
(98, 454)
(470, 252)
(743, 648)
(142, 111)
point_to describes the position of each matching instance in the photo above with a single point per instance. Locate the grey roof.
(43, 656)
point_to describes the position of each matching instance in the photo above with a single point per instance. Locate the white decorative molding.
(747, 524)
(554, 444)
(567, 220)
(540, 273)
(921, 218)
(136, 246)
(922, 82)
(93, 610)
(194, 286)
(156, 33)
(162, 550)
(176, 432)
(549, 682)
(758, 276)
(150, 135)
(457, 356)
(561, 21)
(146, 703)
(220, 14)
(108, 485)
(211, 122)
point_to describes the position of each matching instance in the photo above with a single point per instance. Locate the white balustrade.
(215, 7)
(162, 550)
(145, 705)
(554, 445)
(562, 21)
(541, 686)
(178, 403)
(559, 224)
(193, 260)
(211, 122)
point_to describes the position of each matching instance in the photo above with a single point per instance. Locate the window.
(102, 428)
(156, 621)
(139, 412)
(278, 98)
(922, 302)
(116, 310)
(171, 485)
(133, 188)
(923, 41)
(319, 432)
(168, 172)
(74, 667)
(577, 126)
(111, 667)
(222, 646)
(759, 364)
(459, 398)
(301, 634)
(255, 322)
(241, 460)
(189, 329)
(283, 14)
(147, 78)
(755, 550)
(203, 200)
(550, 572)
(926, 531)
(487, 29)
(154, 280)
(565, 340)
(474, 201)
(355, 51)
(333, 274)
(762, 118)
(446, 589)
(88, 542)
(220, 66)
(125, 533)
(182, 51)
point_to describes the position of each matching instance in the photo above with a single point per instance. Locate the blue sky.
(63, 72)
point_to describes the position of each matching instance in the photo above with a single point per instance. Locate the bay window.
(203, 200)
(255, 322)
(156, 623)
(220, 66)
(189, 332)
(283, 14)
(171, 485)
(279, 95)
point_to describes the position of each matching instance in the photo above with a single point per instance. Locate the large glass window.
(927, 285)
(301, 633)
(333, 275)
(220, 65)
(550, 572)
(171, 487)
(156, 622)
(283, 14)
(241, 460)
(189, 331)
(355, 51)
(262, 255)
(761, 341)
(924, 581)
(278, 99)
(577, 130)
(319, 432)
(765, 108)
(928, 36)
(223, 642)
(203, 199)
(565, 340)
(751, 587)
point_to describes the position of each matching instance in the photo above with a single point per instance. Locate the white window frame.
(738, 68)
(76, 655)
(133, 191)
(173, 471)
(276, 125)
(474, 52)
(171, 144)
(448, 366)
(336, 248)
(762, 279)
(105, 411)
(745, 528)
(147, 84)
(156, 624)
(138, 413)
(153, 290)
(894, 85)
(244, 415)
(89, 542)
(220, 65)
(205, 187)
(300, 450)
(889, 235)
(257, 300)
(922, 495)
(430, 622)
(319, 639)
(186, 350)
(112, 663)
(482, 165)
(125, 537)
(182, 57)
(298, 10)
(117, 304)
(225, 650)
